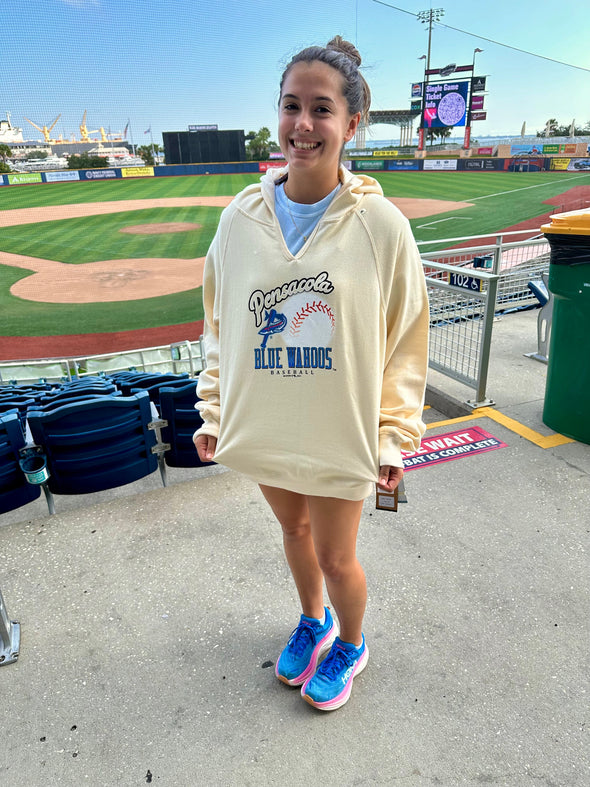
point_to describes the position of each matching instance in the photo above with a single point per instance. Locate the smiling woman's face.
(314, 121)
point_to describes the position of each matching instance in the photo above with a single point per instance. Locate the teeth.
(305, 145)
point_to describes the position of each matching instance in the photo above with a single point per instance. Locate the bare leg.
(292, 511)
(334, 528)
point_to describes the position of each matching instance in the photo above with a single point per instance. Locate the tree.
(431, 134)
(5, 152)
(145, 152)
(260, 144)
(37, 155)
(553, 129)
(86, 161)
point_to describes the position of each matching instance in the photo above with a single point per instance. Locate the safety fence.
(467, 287)
(178, 357)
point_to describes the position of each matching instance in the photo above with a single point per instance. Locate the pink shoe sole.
(342, 698)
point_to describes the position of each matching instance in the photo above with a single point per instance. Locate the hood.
(354, 186)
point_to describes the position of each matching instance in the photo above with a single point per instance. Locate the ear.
(352, 126)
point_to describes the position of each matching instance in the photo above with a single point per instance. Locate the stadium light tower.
(427, 18)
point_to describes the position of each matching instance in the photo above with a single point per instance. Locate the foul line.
(439, 221)
(525, 188)
(540, 440)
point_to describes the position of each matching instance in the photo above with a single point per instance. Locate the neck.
(306, 190)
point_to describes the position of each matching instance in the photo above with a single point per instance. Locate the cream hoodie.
(315, 363)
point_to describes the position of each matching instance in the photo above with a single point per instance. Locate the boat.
(8, 132)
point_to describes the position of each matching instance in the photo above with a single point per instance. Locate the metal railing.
(178, 357)
(462, 306)
(514, 262)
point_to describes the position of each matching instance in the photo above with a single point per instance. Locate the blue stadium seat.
(147, 380)
(177, 407)
(96, 444)
(15, 491)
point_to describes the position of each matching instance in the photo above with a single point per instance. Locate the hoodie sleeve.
(406, 354)
(208, 383)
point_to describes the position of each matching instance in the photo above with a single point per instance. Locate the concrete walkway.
(151, 620)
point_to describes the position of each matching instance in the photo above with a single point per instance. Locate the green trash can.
(567, 393)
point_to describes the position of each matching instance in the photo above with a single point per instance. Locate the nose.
(304, 122)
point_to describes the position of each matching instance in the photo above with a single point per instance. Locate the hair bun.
(338, 44)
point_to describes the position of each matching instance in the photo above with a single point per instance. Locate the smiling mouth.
(305, 145)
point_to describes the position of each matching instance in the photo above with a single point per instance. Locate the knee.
(295, 528)
(336, 566)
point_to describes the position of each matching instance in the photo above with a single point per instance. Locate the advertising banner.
(445, 104)
(450, 446)
(2, 182)
(16, 178)
(417, 90)
(263, 166)
(477, 102)
(385, 153)
(137, 172)
(404, 164)
(479, 163)
(485, 151)
(568, 149)
(524, 164)
(560, 163)
(526, 150)
(440, 163)
(571, 164)
(56, 177)
(98, 174)
(416, 106)
(479, 115)
(478, 84)
(369, 164)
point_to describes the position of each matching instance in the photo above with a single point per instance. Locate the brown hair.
(345, 58)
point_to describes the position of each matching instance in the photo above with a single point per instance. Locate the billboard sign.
(55, 177)
(479, 115)
(477, 102)
(210, 127)
(16, 179)
(404, 164)
(440, 163)
(445, 104)
(478, 84)
(416, 89)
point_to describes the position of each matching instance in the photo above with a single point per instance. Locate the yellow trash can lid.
(575, 222)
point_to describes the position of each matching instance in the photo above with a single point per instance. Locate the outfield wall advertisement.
(518, 163)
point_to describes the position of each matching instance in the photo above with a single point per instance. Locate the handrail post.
(9, 636)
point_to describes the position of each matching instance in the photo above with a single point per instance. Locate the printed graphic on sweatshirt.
(295, 325)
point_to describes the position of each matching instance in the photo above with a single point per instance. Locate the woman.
(316, 324)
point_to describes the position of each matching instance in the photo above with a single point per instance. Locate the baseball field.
(96, 267)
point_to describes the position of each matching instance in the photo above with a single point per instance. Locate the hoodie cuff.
(389, 450)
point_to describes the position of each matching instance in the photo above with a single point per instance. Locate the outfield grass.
(499, 201)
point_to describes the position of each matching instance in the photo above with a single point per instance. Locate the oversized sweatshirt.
(315, 362)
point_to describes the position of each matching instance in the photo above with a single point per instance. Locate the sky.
(166, 64)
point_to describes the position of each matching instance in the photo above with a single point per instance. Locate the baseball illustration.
(310, 321)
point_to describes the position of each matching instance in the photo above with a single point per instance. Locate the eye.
(323, 110)
(290, 106)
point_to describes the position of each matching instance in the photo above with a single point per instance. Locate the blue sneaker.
(331, 685)
(306, 645)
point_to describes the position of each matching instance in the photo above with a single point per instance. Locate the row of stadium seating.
(92, 434)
